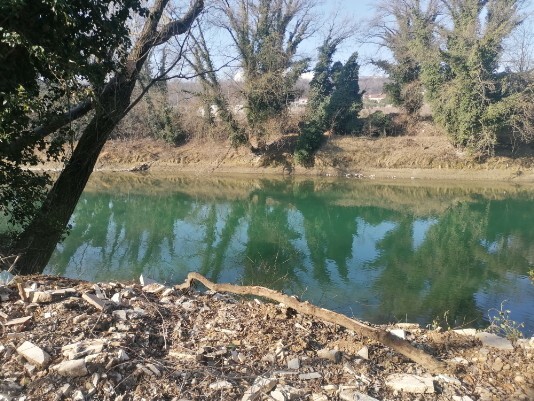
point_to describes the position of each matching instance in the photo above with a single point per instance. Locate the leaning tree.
(104, 100)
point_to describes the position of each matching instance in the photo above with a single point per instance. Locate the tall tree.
(48, 63)
(267, 34)
(405, 28)
(467, 92)
(39, 238)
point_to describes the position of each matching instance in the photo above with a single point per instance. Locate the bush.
(378, 124)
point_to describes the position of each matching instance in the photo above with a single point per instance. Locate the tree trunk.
(37, 242)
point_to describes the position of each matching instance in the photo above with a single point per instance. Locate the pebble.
(330, 354)
(293, 363)
(33, 354)
(72, 368)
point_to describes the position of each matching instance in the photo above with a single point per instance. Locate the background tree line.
(79, 72)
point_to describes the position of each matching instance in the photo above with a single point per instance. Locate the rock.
(19, 321)
(78, 396)
(461, 398)
(117, 298)
(122, 356)
(293, 363)
(353, 395)
(494, 341)
(310, 376)
(153, 369)
(466, 332)
(120, 314)
(6, 277)
(261, 385)
(94, 301)
(221, 385)
(364, 353)
(72, 368)
(330, 354)
(410, 383)
(319, 397)
(33, 354)
(399, 333)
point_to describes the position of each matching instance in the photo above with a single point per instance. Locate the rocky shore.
(63, 339)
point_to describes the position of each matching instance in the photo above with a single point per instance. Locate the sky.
(359, 11)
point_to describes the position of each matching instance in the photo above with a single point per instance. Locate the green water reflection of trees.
(291, 236)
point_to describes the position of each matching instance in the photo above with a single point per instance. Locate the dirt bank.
(74, 340)
(422, 156)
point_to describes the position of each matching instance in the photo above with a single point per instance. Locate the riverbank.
(75, 340)
(426, 155)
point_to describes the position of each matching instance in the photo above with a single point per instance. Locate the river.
(432, 253)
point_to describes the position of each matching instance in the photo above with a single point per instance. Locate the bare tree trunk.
(37, 242)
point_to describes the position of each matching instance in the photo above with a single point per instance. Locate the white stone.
(410, 383)
(461, 398)
(293, 363)
(94, 301)
(73, 368)
(120, 314)
(221, 385)
(261, 385)
(319, 397)
(364, 353)
(399, 333)
(33, 354)
(330, 354)
(310, 376)
(494, 341)
(122, 356)
(117, 298)
(466, 332)
(353, 395)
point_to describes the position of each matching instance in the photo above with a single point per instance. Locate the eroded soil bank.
(75, 340)
(425, 155)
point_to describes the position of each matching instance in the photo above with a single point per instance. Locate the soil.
(124, 341)
(425, 155)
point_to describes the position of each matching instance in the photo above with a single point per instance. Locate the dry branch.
(395, 343)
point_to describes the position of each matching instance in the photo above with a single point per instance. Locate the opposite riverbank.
(422, 156)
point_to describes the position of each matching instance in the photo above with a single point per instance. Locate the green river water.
(382, 252)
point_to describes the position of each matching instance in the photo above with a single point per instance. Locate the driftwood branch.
(395, 343)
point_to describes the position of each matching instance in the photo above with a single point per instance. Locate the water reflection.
(379, 252)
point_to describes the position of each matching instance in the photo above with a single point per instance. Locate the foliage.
(378, 124)
(267, 34)
(334, 102)
(501, 323)
(467, 93)
(49, 52)
(408, 37)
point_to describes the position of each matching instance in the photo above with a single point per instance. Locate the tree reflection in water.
(381, 252)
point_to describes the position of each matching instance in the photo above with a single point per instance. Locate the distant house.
(379, 97)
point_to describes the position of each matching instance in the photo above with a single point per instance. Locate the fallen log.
(395, 343)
